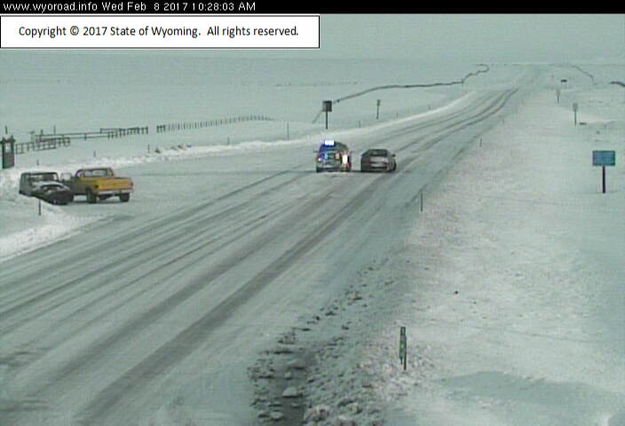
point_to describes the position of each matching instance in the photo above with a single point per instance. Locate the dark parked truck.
(99, 183)
(29, 180)
(45, 186)
(333, 156)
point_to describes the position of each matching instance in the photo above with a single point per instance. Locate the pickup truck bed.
(99, 184)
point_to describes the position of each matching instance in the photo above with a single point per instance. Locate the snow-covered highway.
(211, 260)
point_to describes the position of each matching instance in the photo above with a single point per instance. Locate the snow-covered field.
(509, 281)
(510, 285)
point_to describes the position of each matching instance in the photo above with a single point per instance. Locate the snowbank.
(514, 309)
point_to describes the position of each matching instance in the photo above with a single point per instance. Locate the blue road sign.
(604, 158)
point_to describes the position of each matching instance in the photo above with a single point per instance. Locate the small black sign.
(8, 152)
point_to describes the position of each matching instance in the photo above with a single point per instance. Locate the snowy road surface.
(212, 258)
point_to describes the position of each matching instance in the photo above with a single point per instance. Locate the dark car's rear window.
(40, 177)
(376, 153)
(328, 154)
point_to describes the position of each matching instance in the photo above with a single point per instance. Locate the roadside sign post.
(558, 95)
(603, 159)
(326, 106)
(403, 350)
(575, 107)
(377, 112)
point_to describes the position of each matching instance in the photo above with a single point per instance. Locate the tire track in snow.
(197, 334)
(82, 362)
(126, 251)
(169, 232)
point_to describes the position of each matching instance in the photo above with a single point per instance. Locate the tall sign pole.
(603, 159)
(575, 108)
(326, 106)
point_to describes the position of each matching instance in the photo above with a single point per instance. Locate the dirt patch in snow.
(327, 369)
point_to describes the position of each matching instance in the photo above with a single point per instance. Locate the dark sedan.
(52, 192)
(378, 160)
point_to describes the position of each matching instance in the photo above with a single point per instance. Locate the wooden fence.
(118, 133)
(188, 125)
(42, 144)
(43, 141)
(108, 133)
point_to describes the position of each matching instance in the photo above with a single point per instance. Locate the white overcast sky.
(548, 37)
(472, 37)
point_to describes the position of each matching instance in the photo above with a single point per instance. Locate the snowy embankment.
(510, 286)
(515, 302)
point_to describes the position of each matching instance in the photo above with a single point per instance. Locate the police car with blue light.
(333, 156)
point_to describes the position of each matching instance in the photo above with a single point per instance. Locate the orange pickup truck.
(98, 183)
